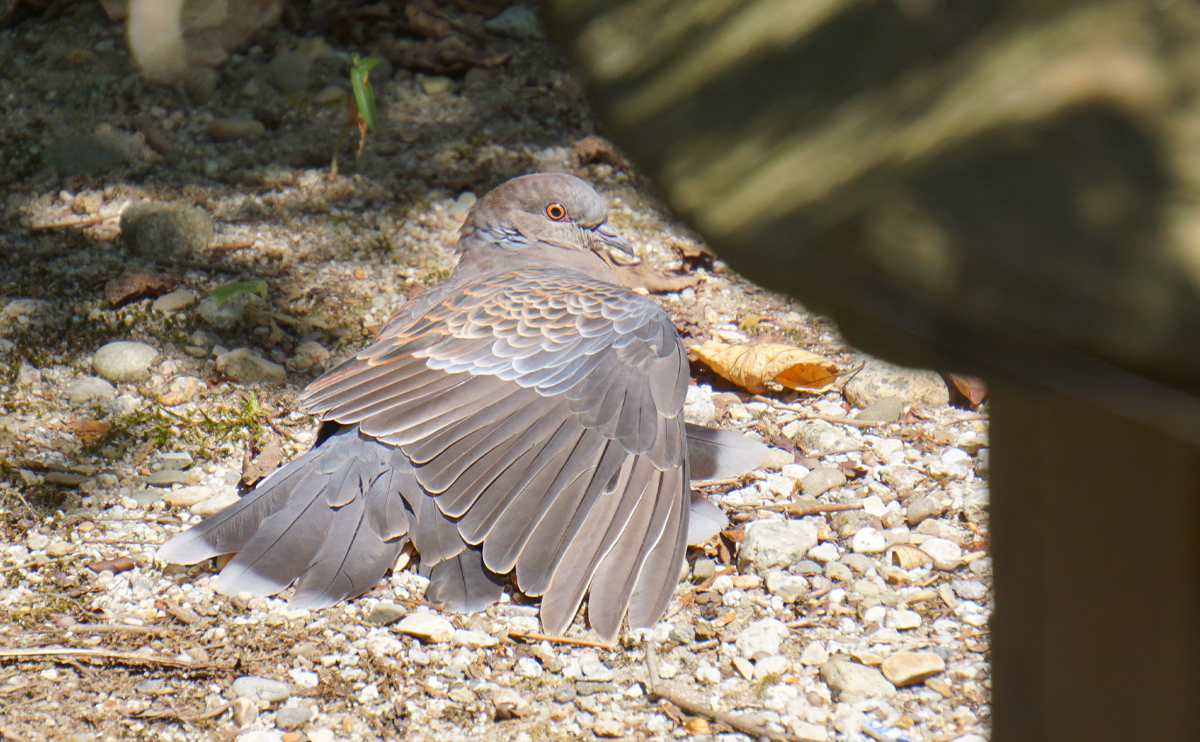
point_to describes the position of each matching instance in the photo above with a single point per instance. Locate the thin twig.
(803, 414)
(110, 628)
(100, 654)
(90, 221)
(800, 511)
(698, 709)
(14, 568)
(559, 640)
(286, 434)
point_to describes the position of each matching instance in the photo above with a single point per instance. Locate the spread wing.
(541, 412)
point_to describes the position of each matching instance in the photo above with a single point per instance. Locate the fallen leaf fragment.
(136, 284)
(754, 366)
(907, 556)
(88, 429)
(972, 388)
(116, 566)
(264, 463)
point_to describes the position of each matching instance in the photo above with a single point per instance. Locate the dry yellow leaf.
(907, 556)
(697, 725)
(753, 366)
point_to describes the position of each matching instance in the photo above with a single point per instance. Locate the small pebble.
(124, 361)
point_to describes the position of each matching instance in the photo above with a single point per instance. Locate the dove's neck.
(479, 257)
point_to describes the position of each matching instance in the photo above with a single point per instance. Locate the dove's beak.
(610, 237)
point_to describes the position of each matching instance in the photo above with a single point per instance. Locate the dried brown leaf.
(655, 282)
(88, 429)
(907, 556)
(754, 366)
(971, 388)
(266, 462)
(136, 284)
(116, 566)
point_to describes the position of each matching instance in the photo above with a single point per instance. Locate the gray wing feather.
(721, 454)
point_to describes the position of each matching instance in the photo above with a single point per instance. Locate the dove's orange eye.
(556, 211)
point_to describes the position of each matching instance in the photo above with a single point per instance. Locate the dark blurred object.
(1004, 189)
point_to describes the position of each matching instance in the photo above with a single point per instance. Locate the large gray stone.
(774, 543)
(124, 361)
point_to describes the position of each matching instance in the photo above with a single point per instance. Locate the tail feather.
(721, 454)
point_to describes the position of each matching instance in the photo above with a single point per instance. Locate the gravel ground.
(848, 600)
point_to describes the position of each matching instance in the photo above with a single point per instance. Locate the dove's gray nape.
(519, 422)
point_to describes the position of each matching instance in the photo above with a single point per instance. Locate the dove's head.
(545, 218)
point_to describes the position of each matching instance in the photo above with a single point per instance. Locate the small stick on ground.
(558, 640)
(698, 709)
(62, 653)
(285, 433)
(110, 628)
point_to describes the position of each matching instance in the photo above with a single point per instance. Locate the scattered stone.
(200, 84)
(788, 587)
(89, 390)
(245, 711)
(763, 636)
(879, 379)
(838, 572)
(852, 679)
(264, 690)
(124, 361)
(592, 687)
(510, 704)
(247, 367)
(309, 355)
(773, 543)
(221, 316)
(882, 410)
(214, 504)
(175, 301)
(698, 406)
(60, 549)
(777, 458)
(823, 552)
(901, 479)
(185, 497)
(704, 569)
(946, 555)
(819, 437)
(969, 589)
(594, 669)
(232, 129)
(174, 459)
(292, 717)
(925, 507)
(64, 478)
(868, 541)
(821, 480)
(814, 654)
(386, 613)
(88, 154)
(166, 478)
(528, 667)
(434, 85)
(860, 563)
(428, 627)
(902, 619)
(517, 22)
(290, 72)
(909, 668)
(162, 230)
(473, 639)
(332, 94)
(180, 390)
